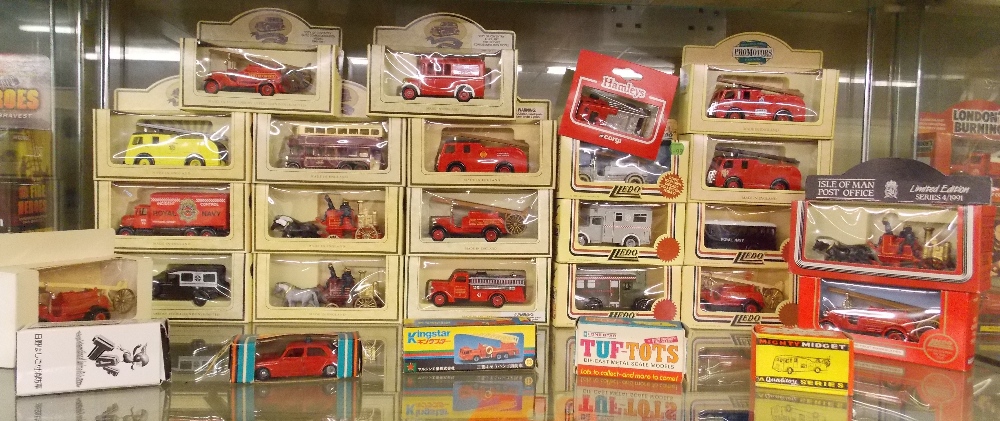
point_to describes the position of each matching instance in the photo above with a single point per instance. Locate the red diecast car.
(489, 224)
(260, 79)
(754, 101)
(299, 359)
(470, 153)
(438, 76)
(67, 306)
(732, 297)
(897, 325)
(736, 168)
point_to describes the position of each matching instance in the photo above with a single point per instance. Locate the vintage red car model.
(898, 325)
(447, 76)
(754, 101)
(261, 75)
(489, 224)
(466, 152)
(742, 169)
(488, 352)
(732, 297)
(299, 359)
(477, 286)
(603, 110)
(89, 304)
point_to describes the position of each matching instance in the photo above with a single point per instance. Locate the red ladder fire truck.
(477, 286)
(743, 169)
(742, 99)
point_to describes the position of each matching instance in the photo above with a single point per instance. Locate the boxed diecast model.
(619, 232)
(648, 350)
(628, 292)
(589, 171)
(817, 361)
(468, 344)
(736, 235)
(734, 297)
(262, 358)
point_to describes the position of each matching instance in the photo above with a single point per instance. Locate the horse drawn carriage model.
(338, 291)
(902, 250)
(336, 222)
(76, 302)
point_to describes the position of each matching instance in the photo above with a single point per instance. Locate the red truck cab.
(488, 352)
(447, 76)
(89, 304)
(489, 224)
(461, 154)
(299, 359)
(732, 297)
(494, 287)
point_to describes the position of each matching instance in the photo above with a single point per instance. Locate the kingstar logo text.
(626, 88)
(412, 337)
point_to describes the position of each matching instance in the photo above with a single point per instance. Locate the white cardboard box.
(69, 357)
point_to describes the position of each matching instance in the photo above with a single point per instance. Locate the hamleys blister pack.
(618, 104)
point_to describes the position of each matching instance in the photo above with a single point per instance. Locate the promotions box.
(628, 292)
(735, 298)
(818, 361)
(736, 235)
(619, 232)
(264, 59)
(588, 171)
(150, 215)
(147, 136)
(442, 64)
(648, 350)
(753, 84)
(768, 170)
(468, 345)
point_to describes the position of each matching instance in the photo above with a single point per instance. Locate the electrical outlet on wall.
(656, 26)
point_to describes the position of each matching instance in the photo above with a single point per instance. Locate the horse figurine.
(836, 251)
(296, 297)
(292, 228)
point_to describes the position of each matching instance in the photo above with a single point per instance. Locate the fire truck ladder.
(501, 337)
(730, 152)
(175, 126)
(621, 106)
(763, 87)
(517, 143)
(123, 298)
(873, 299)
(513, 219)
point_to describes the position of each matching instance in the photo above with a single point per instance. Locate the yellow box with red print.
(820, 361)
(631, 349)
(501, 343)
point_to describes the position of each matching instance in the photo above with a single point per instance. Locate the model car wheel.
(345, 166)
(491, 234)
(200, 298)
(751, 307)
(330, 370)
(211, 87)
(734, 113)
(438, 234)
(125, 231)
(123, 300)
(439, 299)
(143, 159)
(194, 161)
(934, 263)
(366, 302)
(262, 374)
(97, 313)
(827, 325)
(895, 335)
(635, 179)
(191, 232)
(594, 304)
(817, 370)
(497, 301)
(582, 239)
(779, 185)
(783, 115)
(464, 94)
(504, 168)
(292, 165)
(456, 167)
(475, 358)
(585, 178)
(630, 241)
(409, 93)
(266, 89)
(157, 290)
(208, 232)
(592, 117)
(642, 304)
(733, 183)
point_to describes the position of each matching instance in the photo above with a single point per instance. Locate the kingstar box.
(469, 345)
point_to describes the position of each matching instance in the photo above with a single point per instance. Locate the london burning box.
(468, 344)
(819, 361)
(630, 349)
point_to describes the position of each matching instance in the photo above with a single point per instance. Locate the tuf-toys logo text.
(626, 88)
(416, 337)
(15, 97)
(975, 122)
(631, 351)
(624, 254)
(753, 52)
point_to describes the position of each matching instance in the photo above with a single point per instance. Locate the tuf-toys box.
(766, 170)
(629, 292)
(753, 84)
(619, 232)
(73, 357)
(468, 344)
(588, 171)
(618, 104)
(626, 399)
(735, 297)
(485, 153)
(901, 272)
(266, 59)
(819, 361)
(264, 358)
(649, 350)
(147, 136)
(442, 64)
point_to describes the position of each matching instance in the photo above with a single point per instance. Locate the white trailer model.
(627, 225)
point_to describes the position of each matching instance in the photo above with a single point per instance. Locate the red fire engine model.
(892, 249)
(742, 169)
(604, 110)
(260, 74)
(725, 292)
(94, 303)
(477, 286)
(754, 101)
(506, 347)
(436, 75)
(488, 221)
(467, 152)
(179, 213)
(891, 319)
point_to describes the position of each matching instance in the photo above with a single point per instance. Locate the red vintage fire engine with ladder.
(479, 285)
(740, 99)
(743, 169)
(884, 318)
(605, 110)
(489, 221)
(737, 293)
(494, 346)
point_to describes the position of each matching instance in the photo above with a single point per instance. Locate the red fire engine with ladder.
(740, 99)
(893, 320)
(478, 285)
(739, 168)
(499, 346)
(605, 110)
(487, 220)
(731, 292)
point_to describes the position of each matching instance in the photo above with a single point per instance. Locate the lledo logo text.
(623, 254)
(745, 320)
(749, 258)
(632, 191)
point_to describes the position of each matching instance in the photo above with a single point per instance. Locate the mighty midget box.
(469, 344)
(630, 349)
(820, 361)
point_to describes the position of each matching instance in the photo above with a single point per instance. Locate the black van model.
(196, 282)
